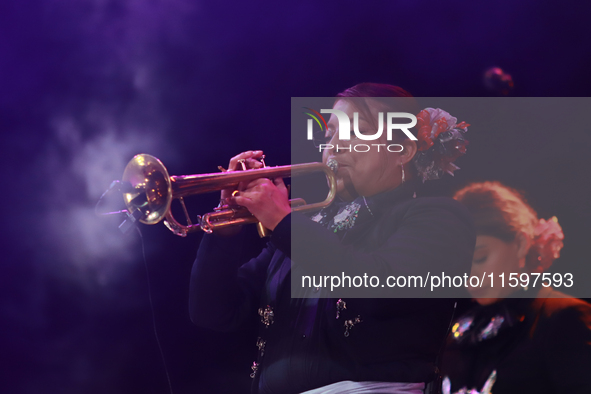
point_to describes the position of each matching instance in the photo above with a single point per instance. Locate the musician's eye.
(480, 260)
(320, 137)
(354, 135)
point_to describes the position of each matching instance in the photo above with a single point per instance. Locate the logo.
(345, 129)
(316, 118)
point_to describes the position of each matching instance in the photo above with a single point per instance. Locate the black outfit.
(543, 346)
(303, 345)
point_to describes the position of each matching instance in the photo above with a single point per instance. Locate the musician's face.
(493, 256)
(362, 173)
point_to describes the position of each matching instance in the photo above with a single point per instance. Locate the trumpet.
(150, 191)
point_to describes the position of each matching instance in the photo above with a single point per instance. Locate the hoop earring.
(402, 168)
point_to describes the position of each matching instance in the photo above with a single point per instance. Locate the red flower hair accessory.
(440, 142)
(547, 243)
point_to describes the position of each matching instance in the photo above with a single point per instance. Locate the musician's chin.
(345, 189)
(479, 292)
(483, 295)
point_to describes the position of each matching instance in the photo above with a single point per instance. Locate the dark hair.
(498, 210)
(368, 89)
(389, 97)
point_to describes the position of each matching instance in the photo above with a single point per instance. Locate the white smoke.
(91, 244)
(95, 135)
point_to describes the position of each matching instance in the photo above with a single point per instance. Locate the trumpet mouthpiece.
(333, 165)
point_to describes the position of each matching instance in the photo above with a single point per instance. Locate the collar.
(486, 322)
(342, 216)
(379, 202)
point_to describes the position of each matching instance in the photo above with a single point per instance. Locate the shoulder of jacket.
(439, 204)
(560, 305)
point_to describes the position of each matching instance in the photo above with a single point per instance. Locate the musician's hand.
(267, 200)
(250, 160)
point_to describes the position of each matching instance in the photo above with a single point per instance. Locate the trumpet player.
(379, 224)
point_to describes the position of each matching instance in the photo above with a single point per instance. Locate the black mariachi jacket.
(304, 343)
(542, 346)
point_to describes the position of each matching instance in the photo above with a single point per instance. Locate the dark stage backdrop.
(85, 85)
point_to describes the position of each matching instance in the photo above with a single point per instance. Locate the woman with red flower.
(529, 339)
(317, 344)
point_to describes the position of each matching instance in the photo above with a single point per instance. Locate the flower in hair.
(547, 243)
(440, 142)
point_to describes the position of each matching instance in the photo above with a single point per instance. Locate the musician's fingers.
(258, 182)
(242, 186)
(248, 156)
(251, 185)
(280, 184)
(253, 163)
(241, 200)
(265, 201)
(250, 161)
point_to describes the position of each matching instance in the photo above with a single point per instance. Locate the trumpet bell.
(151, 189)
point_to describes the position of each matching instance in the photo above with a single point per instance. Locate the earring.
(402, 168)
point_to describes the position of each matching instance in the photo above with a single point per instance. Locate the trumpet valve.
(242, 163)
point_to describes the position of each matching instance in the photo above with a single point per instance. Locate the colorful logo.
(317, 117)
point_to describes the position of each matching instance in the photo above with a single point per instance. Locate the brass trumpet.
(150, 191)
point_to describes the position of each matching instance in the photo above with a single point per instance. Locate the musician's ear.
(409, 150)
(523, 244)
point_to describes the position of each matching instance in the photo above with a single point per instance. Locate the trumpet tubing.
(153, 191)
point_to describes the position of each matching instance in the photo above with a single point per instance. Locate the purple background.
(85, 85)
